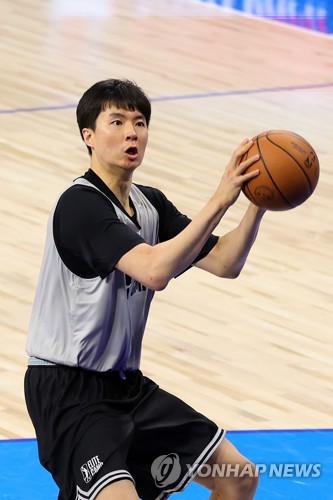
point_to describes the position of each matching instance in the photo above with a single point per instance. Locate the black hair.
(123, 94)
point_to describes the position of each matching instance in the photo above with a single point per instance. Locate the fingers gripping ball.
(289, 170)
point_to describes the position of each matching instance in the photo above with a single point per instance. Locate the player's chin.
(132, 165)
(134, 162)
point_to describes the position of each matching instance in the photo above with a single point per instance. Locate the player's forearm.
(175, 255)
(162, 262)
(235, 246)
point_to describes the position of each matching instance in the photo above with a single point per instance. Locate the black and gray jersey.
(86, 312)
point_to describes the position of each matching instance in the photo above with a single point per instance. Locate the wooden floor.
(251, 353)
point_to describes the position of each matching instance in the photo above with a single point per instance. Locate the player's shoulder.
(149, 189)
(153, 194)
(80, 195)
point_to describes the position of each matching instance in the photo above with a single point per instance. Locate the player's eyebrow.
(114, 114)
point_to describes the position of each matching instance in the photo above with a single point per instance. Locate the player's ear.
(88, 135)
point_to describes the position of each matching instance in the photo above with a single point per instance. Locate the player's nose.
(130, 132)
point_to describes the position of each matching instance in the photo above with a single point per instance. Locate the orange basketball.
(289, 170)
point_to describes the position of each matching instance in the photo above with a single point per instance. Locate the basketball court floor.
(267, 377)
(300, 467)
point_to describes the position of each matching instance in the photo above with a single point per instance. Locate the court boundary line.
(179, 97)
(236, 431)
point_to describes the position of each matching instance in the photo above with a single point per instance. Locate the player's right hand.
(235, 173)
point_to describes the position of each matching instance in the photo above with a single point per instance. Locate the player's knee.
(247, 484)
(242, 482)
(120, 490)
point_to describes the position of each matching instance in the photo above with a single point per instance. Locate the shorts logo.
(91, 468)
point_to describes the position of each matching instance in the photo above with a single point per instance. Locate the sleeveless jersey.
(96, 323)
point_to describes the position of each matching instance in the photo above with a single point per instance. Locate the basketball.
(289, 170)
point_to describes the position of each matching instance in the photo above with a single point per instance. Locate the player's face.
(119, 139)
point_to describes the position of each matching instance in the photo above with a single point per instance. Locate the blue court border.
(23, 478)
(203, 95)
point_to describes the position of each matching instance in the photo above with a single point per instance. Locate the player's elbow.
(230, 276)
(230, 272)
(158, 281)
(161, 286)
(158, 284)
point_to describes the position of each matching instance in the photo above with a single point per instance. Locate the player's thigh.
(121, 490)
(225, 465)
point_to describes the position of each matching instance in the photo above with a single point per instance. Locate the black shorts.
(96, 428)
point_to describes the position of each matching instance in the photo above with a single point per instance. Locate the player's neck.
(122, 191)
(119, 183)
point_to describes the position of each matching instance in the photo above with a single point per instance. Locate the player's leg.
(83, 437)
(121, 490)
(233, 476)
(171, 440)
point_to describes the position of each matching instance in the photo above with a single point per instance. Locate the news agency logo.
(166, 470)
(295, 470)
(290, 470)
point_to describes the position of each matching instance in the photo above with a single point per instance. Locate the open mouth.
(132, 151)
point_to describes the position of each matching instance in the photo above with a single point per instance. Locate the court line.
(180, 97)
(238, 431)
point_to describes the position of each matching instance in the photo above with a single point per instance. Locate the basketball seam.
(292, 157)
(283, 133)
(269, 175)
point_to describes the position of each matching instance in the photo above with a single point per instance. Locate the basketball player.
(104, 430)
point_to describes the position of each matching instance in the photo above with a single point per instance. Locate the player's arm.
(154, 266)
(228, 256)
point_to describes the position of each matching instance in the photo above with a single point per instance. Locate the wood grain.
(252, 353)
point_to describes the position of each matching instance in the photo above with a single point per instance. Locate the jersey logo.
(91, 468)
(133, 286)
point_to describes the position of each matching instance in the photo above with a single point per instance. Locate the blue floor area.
(295, 464)
(316, 15)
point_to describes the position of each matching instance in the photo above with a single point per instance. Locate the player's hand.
(235, 173)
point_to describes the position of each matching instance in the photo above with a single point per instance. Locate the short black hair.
(123, 94)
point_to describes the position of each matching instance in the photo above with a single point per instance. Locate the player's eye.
(116, 122)
(141, 123)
